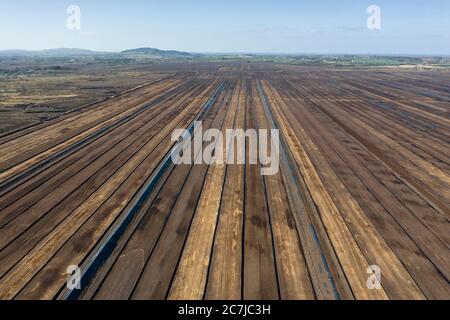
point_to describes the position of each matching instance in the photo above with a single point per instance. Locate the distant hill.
(60, 52)
(156, 53)
(147, 53)
(72, 52)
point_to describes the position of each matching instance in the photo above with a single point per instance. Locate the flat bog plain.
(359, 208)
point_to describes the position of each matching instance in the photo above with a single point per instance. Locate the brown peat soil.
(364, 182)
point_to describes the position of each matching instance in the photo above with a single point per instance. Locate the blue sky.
(283, 26)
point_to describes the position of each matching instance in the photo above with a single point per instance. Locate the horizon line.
(243, 52)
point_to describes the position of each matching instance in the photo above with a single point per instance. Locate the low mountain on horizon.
(58, 52)
(157, 53)
(147, 52)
